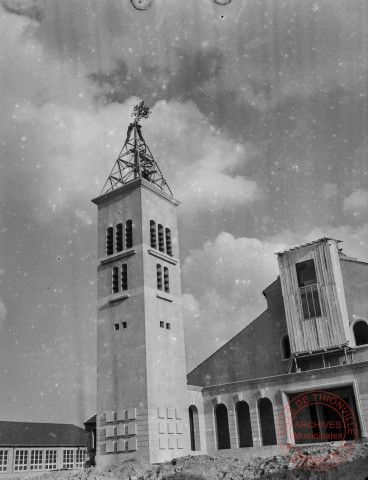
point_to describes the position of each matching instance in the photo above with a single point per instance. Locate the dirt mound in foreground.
(205, 467)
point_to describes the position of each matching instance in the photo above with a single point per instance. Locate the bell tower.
(141, 370)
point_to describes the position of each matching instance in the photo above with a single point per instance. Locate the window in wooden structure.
(124, 277)
(68, 458)
(244, 425)
(166, 280)
(195, 440)
(110, 241)
(50, 459)
(129, 234)
(360, 330)
(21, 460)
(153, 234)
(36, 460)
(115, 280)
(119, 237)
(308, 287)
(3, 460)
(222, 427)
(285, 346)
(159, 276)
(267, 421)
(168, 241)
(161, 239)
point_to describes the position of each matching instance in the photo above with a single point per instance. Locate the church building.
(312, 337)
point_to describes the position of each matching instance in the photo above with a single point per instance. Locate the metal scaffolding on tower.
(135, 159)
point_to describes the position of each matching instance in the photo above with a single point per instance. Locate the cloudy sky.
(259, 123)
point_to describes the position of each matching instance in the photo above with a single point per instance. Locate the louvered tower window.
(166, 280)
(153, 234)
(124, 277)
(168, 241)
(129, 234)
(119, 237)
(110, 241)
(115, 280)
(161, 239)
(159, 276)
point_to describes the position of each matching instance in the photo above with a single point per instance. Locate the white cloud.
(357, 202)
(329, 190)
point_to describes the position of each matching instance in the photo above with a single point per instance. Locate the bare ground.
(205, 467)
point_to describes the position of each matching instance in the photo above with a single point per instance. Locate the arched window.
(115, 280)
(166, 280)
(168, 241)
(119, 237)
(267, 422)
(153, 234)
(124, 277)
(222, 427)
(195, 440)
(129, 234)
(244, 425)
(161, 240)
(109, 241)
(285, 346)
(159, 276)
(360, 330)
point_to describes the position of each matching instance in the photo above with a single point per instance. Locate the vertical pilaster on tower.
(141, 372)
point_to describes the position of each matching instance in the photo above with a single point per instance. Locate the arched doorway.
(222, 426)
(195, 439)
(267, 421)
(244, 425)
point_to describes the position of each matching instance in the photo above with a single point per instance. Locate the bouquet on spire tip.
(140, 111)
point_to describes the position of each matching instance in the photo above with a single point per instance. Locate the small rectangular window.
(161, 239)
(306, 273)
(21, 460)
(3, 460)
(124, 277)
(162, 324)
(168, 326)
(119, 237)
(50, 459)
(36, 460)
(116, 326)
(124, 324)
(115, 280)
(168, 242)
(68, 458)
(166, 280)
(80, 457)
(159, 276)
(129, 234)
(109, 241)
(153, 236)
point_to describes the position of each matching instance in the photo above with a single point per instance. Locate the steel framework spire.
(135, 159)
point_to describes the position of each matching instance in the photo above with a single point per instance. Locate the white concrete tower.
(141, 370)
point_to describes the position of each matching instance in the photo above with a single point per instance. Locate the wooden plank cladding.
(314, 298)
